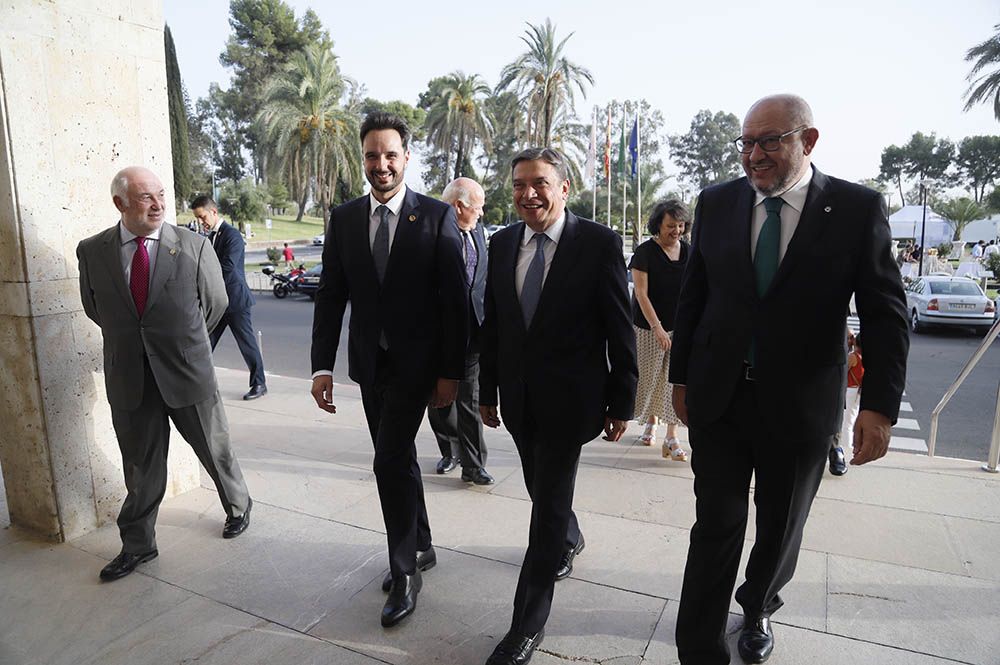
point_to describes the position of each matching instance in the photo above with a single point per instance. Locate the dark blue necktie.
(471, 258)
(380, 249)
(531, 290)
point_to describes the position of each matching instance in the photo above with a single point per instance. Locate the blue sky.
(874, 71)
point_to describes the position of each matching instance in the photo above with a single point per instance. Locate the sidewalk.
(899, 566)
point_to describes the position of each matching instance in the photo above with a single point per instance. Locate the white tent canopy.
(906, 223)
(982, 229)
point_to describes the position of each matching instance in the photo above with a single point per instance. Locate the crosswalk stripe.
(905, 407)
(907, 443)
(907, 423)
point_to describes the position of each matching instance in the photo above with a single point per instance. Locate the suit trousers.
(143, 437)
(241, 324)
(786, 474)
(394, 414)
(458, 427)
(549, 469)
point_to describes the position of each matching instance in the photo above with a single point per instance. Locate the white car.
(948, 301)
(318, 240)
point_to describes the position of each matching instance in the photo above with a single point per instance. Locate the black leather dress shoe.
(255, 392)
(426, 560)
(566, 566)
(838, 463)
(515, 649)
(477, 476)
(402, 598)
(237, 525)
(446, 465)
(125, 563)
(756, 640)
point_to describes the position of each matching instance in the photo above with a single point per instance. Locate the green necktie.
(765, 258)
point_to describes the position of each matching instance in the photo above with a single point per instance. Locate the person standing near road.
(458, 427)
(229, 248)
(289, 256)
(758, 365)
(397, 257)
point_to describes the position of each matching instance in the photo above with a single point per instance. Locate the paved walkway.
(900, 562)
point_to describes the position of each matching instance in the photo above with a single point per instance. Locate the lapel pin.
(413, 218)
(828, 209)
(172, 251)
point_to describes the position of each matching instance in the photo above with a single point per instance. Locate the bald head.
(788, 119)
(468, 197)
(140, 198)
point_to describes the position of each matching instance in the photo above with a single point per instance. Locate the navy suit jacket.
(841, 246)
(422, 305)
(229, 247)
(477, 290)
(576, 364)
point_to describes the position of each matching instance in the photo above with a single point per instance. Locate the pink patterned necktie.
(138, 282)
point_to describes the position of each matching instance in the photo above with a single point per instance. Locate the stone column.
(83, 93)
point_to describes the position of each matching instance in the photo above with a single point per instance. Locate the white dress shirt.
(527, 251)
(393, 204)
(128, 248)
(795, 200)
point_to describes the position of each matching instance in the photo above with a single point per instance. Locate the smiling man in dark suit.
(458, 427)
(156, 290)
(228, 244)
(758, 364)
(397, 257)
(558, 345)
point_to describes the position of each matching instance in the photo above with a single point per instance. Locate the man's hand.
(489, 416)
(679, 400)
(444, 393)
(871, 436)
(613, 429)
(322, 392)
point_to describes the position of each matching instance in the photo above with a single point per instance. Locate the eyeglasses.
(745, 145)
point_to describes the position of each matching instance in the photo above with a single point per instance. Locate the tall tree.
(984, 77)
(544, 80)
(893, 163)
(978, 163)
(928, 157)
(959, 213)
(265, 34)
(705, 154)
(457, 119)
(218, 119)
(177, 112)
(312, 133)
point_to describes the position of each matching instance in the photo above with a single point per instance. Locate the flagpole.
(624, 165)
(593, 136)
(607, 164)
(638, 170)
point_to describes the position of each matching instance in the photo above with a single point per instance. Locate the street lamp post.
(923, 226)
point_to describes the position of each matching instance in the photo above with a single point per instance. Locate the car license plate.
(960, 305)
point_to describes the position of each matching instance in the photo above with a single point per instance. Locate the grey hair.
(797, 108)
(457, 190)
(119, 185)
(550, 156)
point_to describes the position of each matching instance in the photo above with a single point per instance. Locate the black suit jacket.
(841, 246)
(559, 367)
(229, 247)
(422, 305)
(477, 290)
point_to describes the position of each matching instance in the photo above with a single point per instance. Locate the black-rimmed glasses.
(745, 145)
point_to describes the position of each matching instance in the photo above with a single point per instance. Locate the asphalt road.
(935, 360)
(302, 253)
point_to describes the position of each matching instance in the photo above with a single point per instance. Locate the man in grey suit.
(156, 290)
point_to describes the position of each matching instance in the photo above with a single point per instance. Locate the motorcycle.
(284, 284)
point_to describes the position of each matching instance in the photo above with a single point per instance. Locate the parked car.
(948, 301)
(309, 281)
(318, 240)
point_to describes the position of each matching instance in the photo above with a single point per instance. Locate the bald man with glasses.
(758, 365)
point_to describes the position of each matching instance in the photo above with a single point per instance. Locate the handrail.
(994, 454)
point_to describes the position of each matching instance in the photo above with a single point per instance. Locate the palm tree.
(308, 129)
(545, 79)
(457, 118)
(982, 87)
(959, 213)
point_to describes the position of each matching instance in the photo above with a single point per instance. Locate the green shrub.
(944, 250)
(273, 254)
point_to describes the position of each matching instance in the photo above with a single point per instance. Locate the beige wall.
(82, 95)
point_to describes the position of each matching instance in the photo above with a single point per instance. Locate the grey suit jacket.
(187, 298)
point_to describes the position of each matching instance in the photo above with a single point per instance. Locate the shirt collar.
(127, 236)
(554, 232)
(393, 204)
(794, 196)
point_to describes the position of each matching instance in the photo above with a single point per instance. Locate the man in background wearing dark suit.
(458, 428)
(758, 365)
(558, 345)
(397, 257)
(229, 247)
